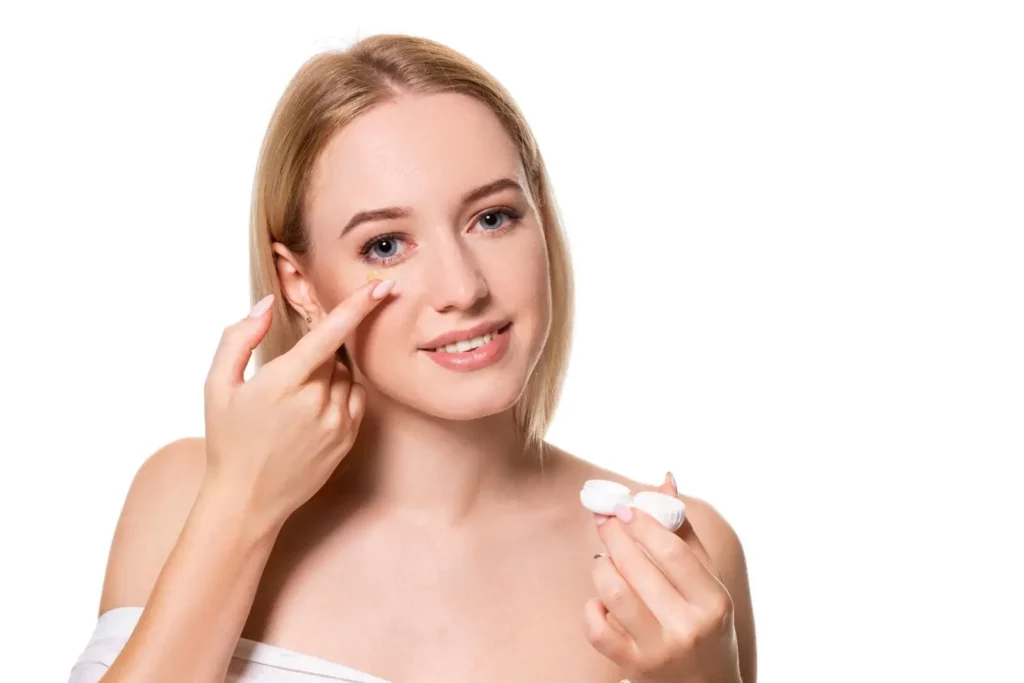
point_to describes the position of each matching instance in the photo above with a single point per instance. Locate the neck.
(405, 462)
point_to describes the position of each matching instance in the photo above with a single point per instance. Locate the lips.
(478, 358)
(465, 335)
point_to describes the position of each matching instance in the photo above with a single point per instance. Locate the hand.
(273, 441)
(662, 614)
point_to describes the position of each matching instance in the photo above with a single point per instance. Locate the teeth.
(467, 345)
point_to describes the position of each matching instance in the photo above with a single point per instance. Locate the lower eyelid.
(514, 219)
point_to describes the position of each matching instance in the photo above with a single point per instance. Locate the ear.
(296, 286)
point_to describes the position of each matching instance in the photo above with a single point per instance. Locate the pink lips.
(467, 361)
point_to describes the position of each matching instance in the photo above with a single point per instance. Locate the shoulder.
(709, 528)
(154, 512)
(715, 532)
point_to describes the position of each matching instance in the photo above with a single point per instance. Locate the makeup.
(601, 496)
(473, 359)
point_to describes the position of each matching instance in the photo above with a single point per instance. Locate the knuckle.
(599, 632)
(648, 663)
(307, 401)
(332, 419)
(720, 612)
(685, 638)
(673, 553)
(616, 593)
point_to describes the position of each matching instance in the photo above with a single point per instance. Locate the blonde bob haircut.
(333, 88)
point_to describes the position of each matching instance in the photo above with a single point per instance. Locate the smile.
(472, 354)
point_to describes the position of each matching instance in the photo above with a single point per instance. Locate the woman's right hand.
(273, 441)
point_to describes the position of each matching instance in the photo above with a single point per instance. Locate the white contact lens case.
(601, 496)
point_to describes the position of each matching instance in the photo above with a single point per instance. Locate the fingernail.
(261, 306)
(600, 519)
(381, 290)
(624, 512)
(672, 480)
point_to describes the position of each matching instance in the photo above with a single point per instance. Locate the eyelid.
(368, 244)
(514, 216)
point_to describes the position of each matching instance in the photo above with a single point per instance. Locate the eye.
(491, 221)
(384, 250)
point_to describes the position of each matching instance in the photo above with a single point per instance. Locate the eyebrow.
(393, 212)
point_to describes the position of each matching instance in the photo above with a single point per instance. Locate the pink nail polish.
(624, 512)
(600, 519)
(261, 306)
(381, 290)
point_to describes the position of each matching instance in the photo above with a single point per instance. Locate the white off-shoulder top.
(252, 662)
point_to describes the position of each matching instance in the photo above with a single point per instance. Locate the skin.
(438, 537)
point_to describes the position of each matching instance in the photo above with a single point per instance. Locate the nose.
(456, 281)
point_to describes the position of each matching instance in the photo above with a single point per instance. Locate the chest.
(416, 609)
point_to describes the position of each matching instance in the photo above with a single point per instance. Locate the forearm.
(201, 599)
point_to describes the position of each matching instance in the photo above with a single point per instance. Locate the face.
(461, 237)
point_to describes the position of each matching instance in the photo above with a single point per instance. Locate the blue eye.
(491, 222)
(391, 248)
(385, 248)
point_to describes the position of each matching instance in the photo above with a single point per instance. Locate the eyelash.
(364, 252)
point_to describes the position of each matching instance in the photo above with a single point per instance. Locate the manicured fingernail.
(381, 290)
(672, 480)
(261, 306)
(600, 519)
(624, 512)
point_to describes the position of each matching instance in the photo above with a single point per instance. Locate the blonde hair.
(333, 88)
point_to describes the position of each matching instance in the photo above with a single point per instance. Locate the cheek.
(520, 272)
(382, 335)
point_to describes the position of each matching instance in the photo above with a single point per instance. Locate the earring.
(309, 319)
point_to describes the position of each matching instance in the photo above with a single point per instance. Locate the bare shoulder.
(154, 513)
(716, 534)
(708, 527)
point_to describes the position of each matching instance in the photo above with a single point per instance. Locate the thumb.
(237, 343)
(669, 485)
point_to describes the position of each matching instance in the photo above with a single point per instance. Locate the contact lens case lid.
(601, 496)
(668, 510)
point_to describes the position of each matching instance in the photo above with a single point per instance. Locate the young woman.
(377, 502)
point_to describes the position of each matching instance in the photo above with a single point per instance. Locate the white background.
(798, 240)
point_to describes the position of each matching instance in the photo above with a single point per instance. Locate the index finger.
(680, 556)
(320, 343)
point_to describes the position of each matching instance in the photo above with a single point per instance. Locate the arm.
(202, 516)
(187, 551)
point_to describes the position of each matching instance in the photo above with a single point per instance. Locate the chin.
(468, 405)
(456, 396)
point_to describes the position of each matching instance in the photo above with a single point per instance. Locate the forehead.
(420, 150)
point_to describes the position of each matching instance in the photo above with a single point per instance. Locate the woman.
(378, 502)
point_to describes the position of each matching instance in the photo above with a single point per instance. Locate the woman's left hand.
(662, 614)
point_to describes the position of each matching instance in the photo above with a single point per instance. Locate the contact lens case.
(601, 496)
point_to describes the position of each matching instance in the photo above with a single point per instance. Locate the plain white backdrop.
(798, 236)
